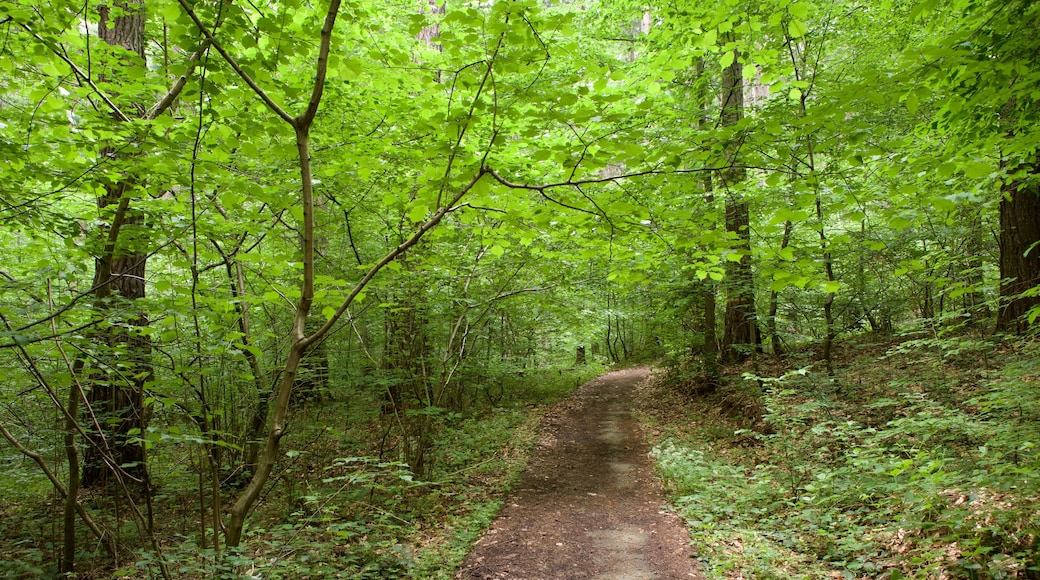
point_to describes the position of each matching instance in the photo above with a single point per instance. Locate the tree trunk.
(115, 395)
(774, 299)
(741, 330)
(67, 564)
(1019, 251)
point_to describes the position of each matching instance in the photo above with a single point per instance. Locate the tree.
(1019, 247)
(740, 333)
(991, 113)
(116, 391)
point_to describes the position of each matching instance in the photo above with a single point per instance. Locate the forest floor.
(589, 504)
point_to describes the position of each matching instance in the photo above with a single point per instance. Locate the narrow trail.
(589, 504)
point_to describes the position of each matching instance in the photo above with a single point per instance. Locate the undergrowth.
(341, 504)
(911, 462)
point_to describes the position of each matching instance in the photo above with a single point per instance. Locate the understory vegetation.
(917, 459)
(339, 506)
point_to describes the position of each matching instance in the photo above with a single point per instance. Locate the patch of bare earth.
(589, 504)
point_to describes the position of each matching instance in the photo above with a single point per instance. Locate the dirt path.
(589, 505)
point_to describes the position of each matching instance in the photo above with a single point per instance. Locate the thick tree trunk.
(740, 336)
(1019, 251)
(115, 395)
(429, 34)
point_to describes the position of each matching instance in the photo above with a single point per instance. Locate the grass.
(914, 461)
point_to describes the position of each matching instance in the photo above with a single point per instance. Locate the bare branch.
(164, 103)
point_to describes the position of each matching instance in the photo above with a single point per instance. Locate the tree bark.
(1019, 242)
(115, 395)
(706, 288)
(740, 336)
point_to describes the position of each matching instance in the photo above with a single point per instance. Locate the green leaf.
(418, 212)
(944, 204)
(797, 29)
(978, 169)
(911, 102)
(709, 38)
(899, 223)
(727, 58)
(799, 10)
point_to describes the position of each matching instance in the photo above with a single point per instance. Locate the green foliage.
(582, 138)
(896, 479)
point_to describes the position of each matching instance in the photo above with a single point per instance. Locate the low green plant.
(926, 487)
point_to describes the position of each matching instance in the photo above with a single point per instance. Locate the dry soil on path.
(589, 504)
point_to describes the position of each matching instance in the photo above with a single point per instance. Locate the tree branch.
(235, 66)
(305, 118)
(84, 77)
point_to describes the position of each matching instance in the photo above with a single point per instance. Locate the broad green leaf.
(727, 58)
(799, 10)
(911, 102)
(978, 169)
(797, 28)
(418, 212)
(899, 223)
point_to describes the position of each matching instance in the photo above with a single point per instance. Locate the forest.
(287, 286)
